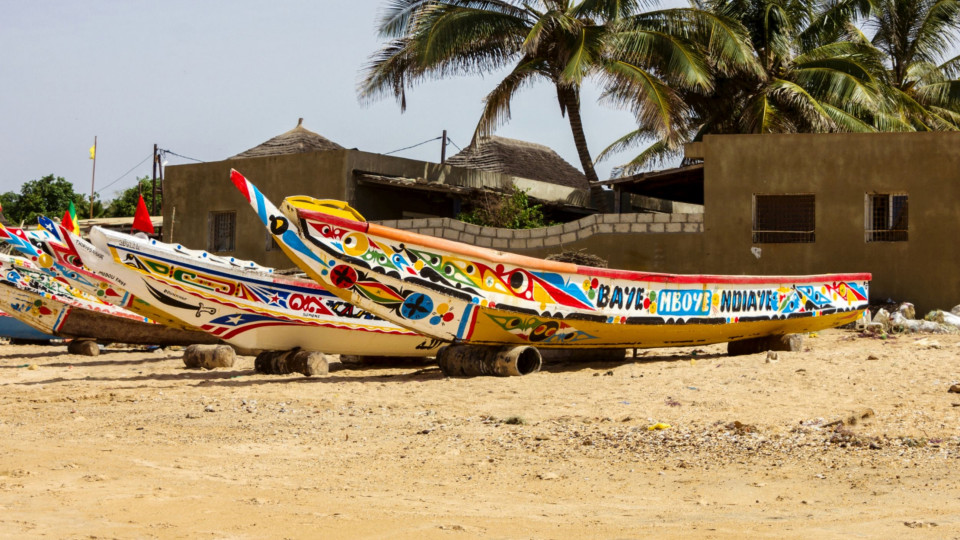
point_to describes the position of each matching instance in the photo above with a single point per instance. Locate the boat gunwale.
(114, 237)
(536, 264)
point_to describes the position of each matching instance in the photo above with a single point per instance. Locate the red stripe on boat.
(241, 183)
(323, 217)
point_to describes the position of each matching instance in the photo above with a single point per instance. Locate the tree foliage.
(505, 210)
(125, 204)
(49, 196)
(843, 66)
(640, 57)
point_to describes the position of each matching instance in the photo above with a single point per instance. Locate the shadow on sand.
(345, 373)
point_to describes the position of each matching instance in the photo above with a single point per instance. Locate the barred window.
(222, 232)
(272, 244)
(886, 217)
(784, 219)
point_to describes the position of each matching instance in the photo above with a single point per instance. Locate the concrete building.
(202, 210)
(885, 203)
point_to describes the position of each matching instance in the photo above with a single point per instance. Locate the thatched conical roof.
(519, 158)
(295, 141)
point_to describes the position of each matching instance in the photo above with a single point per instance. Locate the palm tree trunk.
(570, 101)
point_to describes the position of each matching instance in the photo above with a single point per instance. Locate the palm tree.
(649, 55)
(804, 86)
(914, 36)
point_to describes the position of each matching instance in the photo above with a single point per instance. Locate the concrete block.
(611, 218)
(568, 238)
(435, 222)
(471, 228)
(538, 233)
(535, 243)
(695, 218)
(501, 243)
(571, 226)
(588, 220)
(468, 238)
(551, 241)
(692, 227)
(661, 218)
(522, 233)
(484, 241)
(674, 227)
(645, 217)
(621, 228)
(504, 233)
(639, 228)
(656, 227)
(456, 225)
(605, 228)
(679, 218)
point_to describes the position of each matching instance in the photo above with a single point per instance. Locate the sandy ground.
(132, 445)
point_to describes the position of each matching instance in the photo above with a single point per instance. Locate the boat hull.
(13, 328)
(462, 293)
(252, 309)
(51, 316)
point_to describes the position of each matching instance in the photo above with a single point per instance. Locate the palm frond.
(496, 109)
(659, 152)
(655, 104)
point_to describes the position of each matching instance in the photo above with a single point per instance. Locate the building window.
(223, 231)
(784, 219)
(886, 217)
(272, 244)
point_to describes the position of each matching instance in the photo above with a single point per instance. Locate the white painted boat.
(51, 307)
(242, 303)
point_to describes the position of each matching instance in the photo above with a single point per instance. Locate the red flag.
(141, 219)
(67, 222)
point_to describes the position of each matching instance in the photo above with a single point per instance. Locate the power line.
(449, 140)
(413, 146)
(126, 173)
(178, 155)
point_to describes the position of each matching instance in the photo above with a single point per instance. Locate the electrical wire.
(449, 140)
(413, 146)
(178, 155)
(125, 174)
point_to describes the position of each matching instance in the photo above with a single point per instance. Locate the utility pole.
(443, 149)
(156, 157)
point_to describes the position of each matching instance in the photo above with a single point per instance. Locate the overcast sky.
(209, 79)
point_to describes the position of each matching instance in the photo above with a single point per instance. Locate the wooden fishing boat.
(245, 304)
(43, 303)
(15, 329)
(53, 250)
(461, 293)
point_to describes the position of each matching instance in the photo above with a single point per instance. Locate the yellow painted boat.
(461, 293)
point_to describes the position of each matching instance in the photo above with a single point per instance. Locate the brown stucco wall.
(840, 169)
(192, 191)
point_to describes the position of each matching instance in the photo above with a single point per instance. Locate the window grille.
(784, 219)
(886, 217)
(272, 244)
(223, 231)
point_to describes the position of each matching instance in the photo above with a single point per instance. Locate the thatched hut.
(296, 141)
(520, 159)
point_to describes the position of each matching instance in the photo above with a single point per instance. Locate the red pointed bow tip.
(241, 182)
